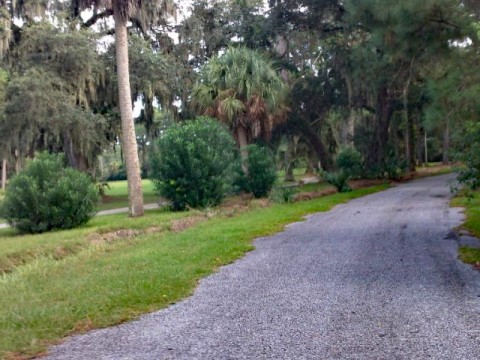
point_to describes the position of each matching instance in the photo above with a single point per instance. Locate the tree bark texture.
(410, 129)
(241, 137)
(383, 113)
(4, 174)
(348, 128)
(446, 142)
(130, 149)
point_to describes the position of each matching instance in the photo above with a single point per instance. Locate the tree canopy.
(317, 75)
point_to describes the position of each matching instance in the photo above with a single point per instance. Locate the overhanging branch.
(97, 16)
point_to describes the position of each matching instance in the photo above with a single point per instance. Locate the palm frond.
(248, 91)
(229, 108)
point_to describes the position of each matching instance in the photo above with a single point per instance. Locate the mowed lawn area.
(472, 224)
(115, 268)
(117, 195)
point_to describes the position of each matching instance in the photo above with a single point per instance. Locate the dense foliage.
(397, 81)
(257, 174)
(350, 161)
(47, 195)
(242, 88)
(338, 179)
(192, 164)
(470, 156)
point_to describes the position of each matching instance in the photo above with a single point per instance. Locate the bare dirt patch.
(113, 236)
(239, 204)
(364, 183)
(304, 196)
(183, 224)
(106, 199)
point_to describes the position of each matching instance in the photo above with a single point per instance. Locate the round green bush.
(47, 195)
(259, 171)
(192, 165)
(350, 161)
(337, 179)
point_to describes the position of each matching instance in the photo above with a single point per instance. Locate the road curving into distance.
(377, 278)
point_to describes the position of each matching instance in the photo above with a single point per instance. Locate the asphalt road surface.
(377, 278)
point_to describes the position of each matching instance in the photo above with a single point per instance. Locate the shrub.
(350, 161)
(260, 174)
(337, 179)
(283, 194)
(391, 169)
(469, 154)
(192, 165)
(117, 174)
(47, 196)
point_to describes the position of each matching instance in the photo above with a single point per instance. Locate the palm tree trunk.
(241, 135)
(4, 174)
(135, 195)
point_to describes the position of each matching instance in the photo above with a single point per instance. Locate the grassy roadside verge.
(472, 224)
(108, 283)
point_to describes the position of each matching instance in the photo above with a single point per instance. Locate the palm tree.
(242, 89)
(143, 13)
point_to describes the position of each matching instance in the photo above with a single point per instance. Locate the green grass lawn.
(17, 250)
(435, 169)
(472, 224)
(298, 173)
(117, 195)
(106, 282)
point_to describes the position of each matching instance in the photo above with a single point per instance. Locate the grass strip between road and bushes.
(109, 283)
(471, 204)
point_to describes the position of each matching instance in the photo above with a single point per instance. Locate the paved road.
(376, 278)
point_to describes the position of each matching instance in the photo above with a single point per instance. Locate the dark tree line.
(397, 81)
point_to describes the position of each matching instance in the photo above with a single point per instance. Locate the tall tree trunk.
(420, 148)
(409, 133)
(242, 141)
(410, 145)
(376, 156)
(132, 163)
(348, 128)
(4, 174)
(446, 142)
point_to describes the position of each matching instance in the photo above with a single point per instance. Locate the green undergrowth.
(107, 283)
(471, 203)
